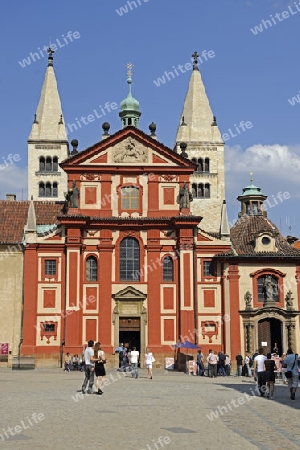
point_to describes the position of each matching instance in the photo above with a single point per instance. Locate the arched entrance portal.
(129, 319)
(270, 332)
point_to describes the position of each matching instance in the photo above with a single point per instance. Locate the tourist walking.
(134, 360)
(227, 365)
(248, 361)
(260, 372)
(292, 362)
(148, 363)
(270, 366)
(89, 368)
(100, 371)
(283, 368)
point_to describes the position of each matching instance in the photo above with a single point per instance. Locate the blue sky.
(251, 78)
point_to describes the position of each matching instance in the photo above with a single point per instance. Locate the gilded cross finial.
(130, 66)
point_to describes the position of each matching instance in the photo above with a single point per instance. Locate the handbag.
(289, 373)
(153, 359)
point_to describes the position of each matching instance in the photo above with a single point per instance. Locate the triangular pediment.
(129, 293)
(129, 146)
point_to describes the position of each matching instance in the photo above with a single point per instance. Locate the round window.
(265, 240)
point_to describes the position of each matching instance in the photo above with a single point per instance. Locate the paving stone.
(186, 411)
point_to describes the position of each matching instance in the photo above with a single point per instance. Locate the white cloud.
(275, 170)
(13, 180)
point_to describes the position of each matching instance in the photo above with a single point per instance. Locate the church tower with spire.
(47, 143)
(199, 130)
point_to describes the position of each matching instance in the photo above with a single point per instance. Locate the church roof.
(14, 216)
(49, 122)
(197, 120)
(247, 228)
(130, 131)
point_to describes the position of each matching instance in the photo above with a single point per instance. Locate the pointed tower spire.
(224, 229)
(48, 121)
(48, 143)
(199, 122)
(198, 129)
(130, 113)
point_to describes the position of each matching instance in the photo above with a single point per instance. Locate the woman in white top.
(148, 363)
(99, 367)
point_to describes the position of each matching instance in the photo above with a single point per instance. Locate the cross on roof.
(195, 55)
(130, 66)
(50, 51)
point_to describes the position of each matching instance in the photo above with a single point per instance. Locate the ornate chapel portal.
(129, 319)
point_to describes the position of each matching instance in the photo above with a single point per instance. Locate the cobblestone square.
(42, 409)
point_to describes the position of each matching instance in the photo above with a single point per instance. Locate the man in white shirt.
(134, 359)
(89, 368)
(259, 371)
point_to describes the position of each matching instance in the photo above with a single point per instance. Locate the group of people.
(264, 372)
(95, 360)
(74, 362)
(217, 364)
(130, 359)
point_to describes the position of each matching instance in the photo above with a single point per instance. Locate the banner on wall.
(4, 348)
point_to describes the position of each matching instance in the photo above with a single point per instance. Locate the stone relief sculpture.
(289, 300)
(132, 152)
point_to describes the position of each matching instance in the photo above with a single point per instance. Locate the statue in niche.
(185, 197)
(74, 195)
(248, 300)
(269, 286)
(289, 300)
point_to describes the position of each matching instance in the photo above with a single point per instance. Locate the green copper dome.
(251, 190)
(130, 113)
(129, 103)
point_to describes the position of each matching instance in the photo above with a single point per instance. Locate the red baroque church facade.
(127, 262)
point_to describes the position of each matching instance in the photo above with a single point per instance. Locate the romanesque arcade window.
(129, 260)
(168, 272)
(203, 164)
(48, 189)
(91, 268)
(48, 164)
(201, 190)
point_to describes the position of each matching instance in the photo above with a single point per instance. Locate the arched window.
(54, 190)
(200, 190)
(130, 197)
(55, 164)
(41, 190)
(48, 164)
(48, 190)
(206, 165)
(207, 191)
(42, 164)
(168, 272)
(200, 165)
(91, 267)
(129, 260)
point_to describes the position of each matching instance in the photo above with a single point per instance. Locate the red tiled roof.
(244, 232)
(13, 218)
